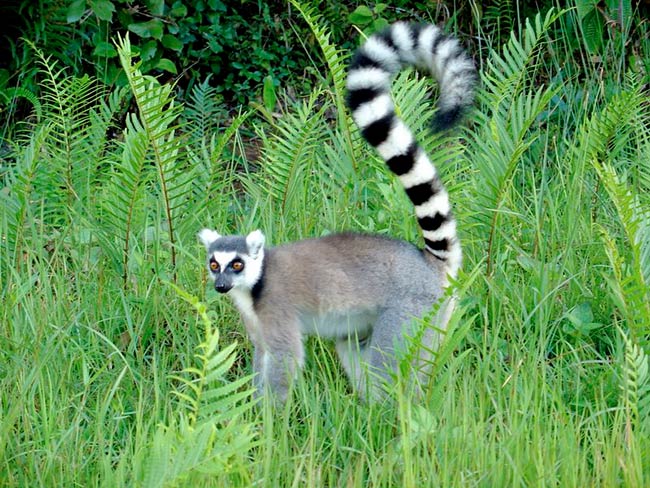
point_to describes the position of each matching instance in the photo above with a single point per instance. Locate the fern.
(212, 185)
(209, 435)
(75, 143)
(508, 72)
(288, 155)
(336, 64)
(9, 96)
(607, 133)
(499, 18)
(124, 195)
(216, 404)
(58, 161)
(21, 187)
(632, 279)
(511, 108)
(150, 152)
(635, 385)
(158, 113)
(605, 139)
(203, 112)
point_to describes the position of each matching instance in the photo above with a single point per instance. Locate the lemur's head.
(234, 261)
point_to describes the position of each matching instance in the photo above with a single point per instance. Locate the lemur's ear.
(208, 236)
(255, 242)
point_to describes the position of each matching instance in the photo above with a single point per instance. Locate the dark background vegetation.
(247, 46)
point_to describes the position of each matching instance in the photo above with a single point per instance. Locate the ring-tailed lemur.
(363, 291)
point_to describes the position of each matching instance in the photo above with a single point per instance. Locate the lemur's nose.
(222, 287)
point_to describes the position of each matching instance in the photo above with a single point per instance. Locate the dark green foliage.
(602, 20)
(238, 43)
(244, 46)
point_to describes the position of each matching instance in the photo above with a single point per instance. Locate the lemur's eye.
(237, 266)
(214, 266)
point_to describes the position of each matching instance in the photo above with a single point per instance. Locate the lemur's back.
(354, 269)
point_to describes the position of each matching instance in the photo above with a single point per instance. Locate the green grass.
(112, 376)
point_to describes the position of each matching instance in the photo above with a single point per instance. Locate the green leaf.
(380, 7)
(582, 320)
(167, 65)
(337, 67)
(152, 28)
(268, 94)
(362, 16)
(76, 10)
(103, 9)
(105, 50)
(621, 10)
(178, 10)
(156, 7)
(581, 314)
(217, 5)
(380, 23)
(171, 42)
(592, 31)
(148, 50)
(214, 45)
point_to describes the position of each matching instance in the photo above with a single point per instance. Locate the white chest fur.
(244, 303)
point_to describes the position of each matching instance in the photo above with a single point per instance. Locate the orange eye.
(214, 266)
(237, 266)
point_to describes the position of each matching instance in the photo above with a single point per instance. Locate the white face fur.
(233, 265)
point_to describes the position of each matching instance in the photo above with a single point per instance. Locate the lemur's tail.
(369, 79)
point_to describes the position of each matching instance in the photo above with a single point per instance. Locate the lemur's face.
(233, 261)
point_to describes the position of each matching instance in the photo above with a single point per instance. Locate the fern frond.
(505, 130)
(99, 140)
(208, 396)
(182, 454)
(158, 113)
(218, 143)
(8, 96)
(288, 154)
(209, 435)
(608, 131)
(604, 142)
(635, 385)
(76, 136)
(508, 70)
(499, 17)
(124, 193)
(634, 279)
(336, 63)
(215, 167)
(22, 185)
(202, 112)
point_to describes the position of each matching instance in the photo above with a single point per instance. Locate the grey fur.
(362, 291)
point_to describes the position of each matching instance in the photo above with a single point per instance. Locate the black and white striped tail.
(369, 79)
